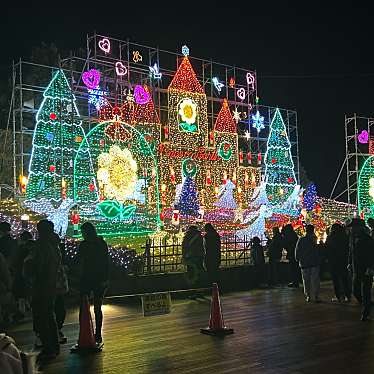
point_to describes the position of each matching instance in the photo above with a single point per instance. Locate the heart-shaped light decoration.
(104, 45)
(120, 69)
(241, 93)
(91, 79)
(363, 138)
(141, 94)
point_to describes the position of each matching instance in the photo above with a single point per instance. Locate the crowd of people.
(33, 272)
(33, 277)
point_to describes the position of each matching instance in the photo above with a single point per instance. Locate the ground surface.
(275, 332)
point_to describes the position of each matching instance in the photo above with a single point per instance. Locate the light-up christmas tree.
(310, 197)
(57, 136)
(188, 203)
(279, 174)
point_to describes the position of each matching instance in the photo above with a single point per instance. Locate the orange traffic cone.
(86, 340)
(216, 322)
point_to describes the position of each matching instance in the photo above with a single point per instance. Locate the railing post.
(148, 255)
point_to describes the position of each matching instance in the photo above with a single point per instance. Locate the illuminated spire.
(225, 122)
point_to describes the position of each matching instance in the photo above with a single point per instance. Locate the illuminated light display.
(154, 72)
(54, 145)
(141, 94)
(91, 79)
(136, 56)
(217, 84)
(225, 196)
(250, 80)
(97, 97)
(185, 50)
(189, 168)
(365, 189)
(188, 115)
(225, 121)
(188, 202)
(310, 197)
(232, 82)
(258, 121)
(363, 137)
(236, 115)
(104, 45)
(121, 69)
(240, 93)
(278, 162)
(23, 183)
(247, 135)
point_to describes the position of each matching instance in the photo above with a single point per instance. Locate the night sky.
(312, 58)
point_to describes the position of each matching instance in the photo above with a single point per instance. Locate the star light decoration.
(258, 121)
(247, 135)
(236, 115)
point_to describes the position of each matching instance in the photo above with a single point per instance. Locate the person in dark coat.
(290, 239)
(8, 245)
(21, 289)
(361, 261)
(212, 246)
(306, 254)
(337, 246)
(275, 248)
(258, 261)
(42, 266)
(93, 259)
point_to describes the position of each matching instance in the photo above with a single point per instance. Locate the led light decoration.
(240, 93)
(121, 69)
(142, 95)
(225, 151)
(366, 189)
(185, 50)
(250, 80)
(225, 121)
(97, 97)
(104, 45)
(247, 135)
(189, 168)
(232, 82)
(136, 56)
(363, 137)
(279, 172)
(310, 197)
(258, 121)
(217, 84)
(188, 203)
(91, 79)
(188, 115)
(225, 196)
(154, 72)
(236, 115)
(53, 144)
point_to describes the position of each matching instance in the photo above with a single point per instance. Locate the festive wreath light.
(117, 173)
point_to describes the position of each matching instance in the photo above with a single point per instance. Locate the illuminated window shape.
(188, 116)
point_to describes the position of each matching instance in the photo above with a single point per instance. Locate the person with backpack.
(93, 260)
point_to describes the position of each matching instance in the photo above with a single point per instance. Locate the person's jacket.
(361, 254)
(93, 259)
(192, 245)
(257, 254)
(212, 245)
(289, 244)
(8, 248)
(275, 248)
(5, 279)
(306, 253)
(337, 246)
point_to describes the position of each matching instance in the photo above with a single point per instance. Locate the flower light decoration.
(188, 115)
(117, 173)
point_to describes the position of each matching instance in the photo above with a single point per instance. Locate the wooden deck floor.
(275, 332)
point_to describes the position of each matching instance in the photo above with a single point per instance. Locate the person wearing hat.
(361, 261)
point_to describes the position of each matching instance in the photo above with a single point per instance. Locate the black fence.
(162, 256)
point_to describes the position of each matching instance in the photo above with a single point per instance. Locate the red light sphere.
(53, 116)
(52, 168)
(273, 160)
(290, 180)
(91, 187)
(75, 219)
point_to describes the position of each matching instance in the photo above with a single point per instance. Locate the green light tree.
(279, 173)
(57, 136)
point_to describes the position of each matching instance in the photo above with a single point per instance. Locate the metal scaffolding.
(30, 80)
(356, 152)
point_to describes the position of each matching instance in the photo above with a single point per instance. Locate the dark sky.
(315, 58)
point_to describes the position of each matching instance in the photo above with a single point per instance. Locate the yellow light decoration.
(188, 111)
(117, 173)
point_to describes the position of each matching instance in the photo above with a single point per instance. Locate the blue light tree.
(310, 197)
(188, 202)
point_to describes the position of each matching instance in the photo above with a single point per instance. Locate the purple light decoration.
(142, 96)
(91, 79)
(363, 138)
